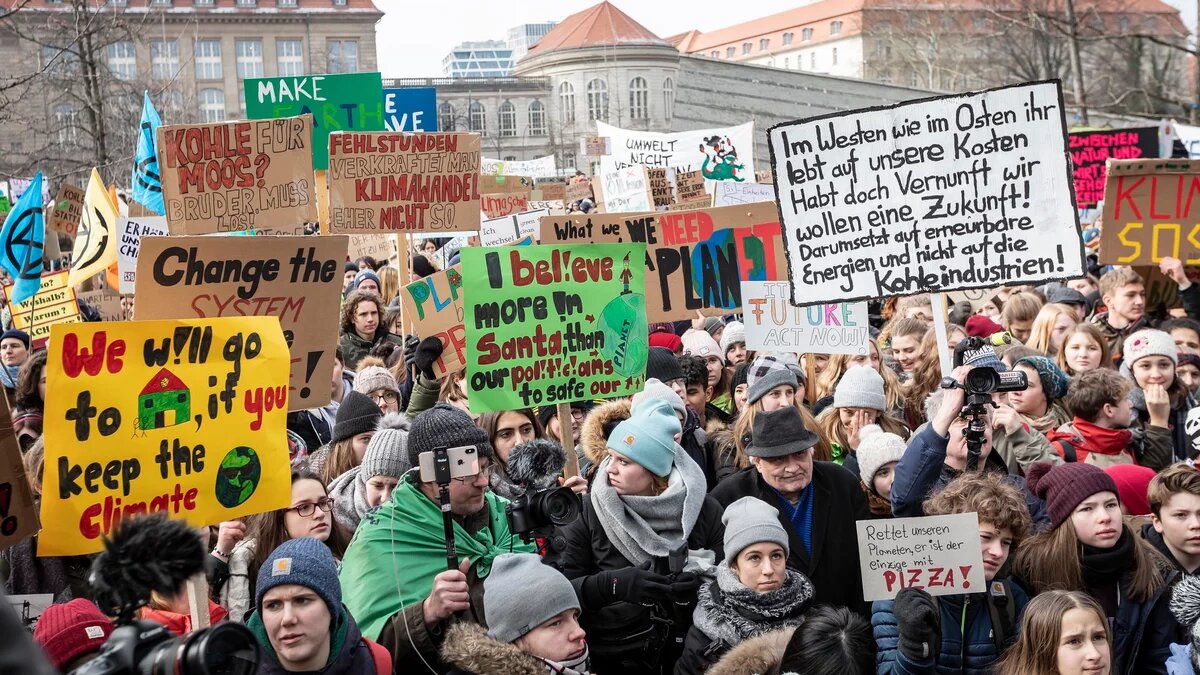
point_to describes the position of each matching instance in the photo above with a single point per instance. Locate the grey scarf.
(579, 666)
(728, 611)
(349, 494)
(648, 527)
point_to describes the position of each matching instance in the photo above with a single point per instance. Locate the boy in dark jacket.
(1174, 527)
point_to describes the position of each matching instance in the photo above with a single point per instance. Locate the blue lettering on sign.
(410, 109)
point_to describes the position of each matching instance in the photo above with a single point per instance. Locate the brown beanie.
(1064, 486)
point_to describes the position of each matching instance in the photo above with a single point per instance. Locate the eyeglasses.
(485, 469)
(387, 396)
(305, 510)
(577, 415)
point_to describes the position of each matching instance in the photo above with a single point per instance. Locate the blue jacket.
(976, 657)
(922, 471)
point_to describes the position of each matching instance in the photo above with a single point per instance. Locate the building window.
(569, 159)
(912, 79)
(164, 59)
(287, 3)
(122, 60)
(445, 116)
(289, 57)
(116, 3)
(812, 61)
(66, 118)
(245, 3)
(787, 39)
(343, 56)
(729, 52)
(60, 62)
(763, 44)
(198, 3)
(806, 35)
(167, 3)
(746, 46)
(566, 102)
(834, 58)
(785, 63)
(249, 59)
(508, 119)
(476, 120)
(339, 3)
(537, 119)
(835, 27)
(212, 105)
(639, 98)
(208, 60)
(597, 99)
(668, 99)
(715, 54)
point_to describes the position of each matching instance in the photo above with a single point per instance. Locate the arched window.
(639, 98)
(212, 105)
(668, 99)
(66, 119)
(445, 116)
(566, 102)
(475, 118)
(508, 119)
(597, 99)
(537, 119)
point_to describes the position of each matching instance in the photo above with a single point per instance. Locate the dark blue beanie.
(305, 562)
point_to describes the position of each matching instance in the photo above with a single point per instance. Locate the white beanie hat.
(860, 387)
(655, 389)
(1149, 342)
(876, 448)
(700, 344)
(735, 332)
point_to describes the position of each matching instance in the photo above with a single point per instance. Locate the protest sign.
(689, 187)
(588, 313)
(552, 208)
(773, 324)
(726, 193)
(434, 305)
(1151, 211)
(341, 102)
(508, 229)
(53, 303)
(377, 246)
(496, 184)
(766, 177)
(235, 176)
(106, 302)
(702, 203)
(1091, 149)
(1189, 137)
(96, 239)
(594, 146)
(162, 416)
(577, 191)
(555, 191)
(68, 209)
(298, 279)
(627, 190)
(146, 181)
(410, 109)
(542, 167)
(18, 512)
(503, 204)
(696, 259)
(660, 186)
(940, 194)
(391, 182)
(22, 242)
(719, 154)
(939, 554)
(5, 199)
(132, 230)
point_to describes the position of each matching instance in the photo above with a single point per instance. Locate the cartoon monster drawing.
(720, 160)
(238, 476)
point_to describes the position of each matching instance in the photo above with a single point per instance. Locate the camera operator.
(394, 576)
(939, 452)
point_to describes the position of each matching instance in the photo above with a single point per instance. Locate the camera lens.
(225, 649)
(560, 506)
(982, 380)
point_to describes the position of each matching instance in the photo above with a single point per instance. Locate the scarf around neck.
(579, 666)
(1107, 565)
(1102, 439)
(1054, 418)
(729, 611)
(647, 527)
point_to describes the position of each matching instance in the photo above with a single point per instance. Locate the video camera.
(981, 382)
(534, 467)
(536, 512)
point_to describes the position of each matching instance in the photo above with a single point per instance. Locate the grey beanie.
(766, 373)
(657, 390)
(749, 521)
(445, 426)
(387, 453)
(372, 378)
(521, 593)
(860, 387)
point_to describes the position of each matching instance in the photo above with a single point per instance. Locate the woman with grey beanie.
(370, 484)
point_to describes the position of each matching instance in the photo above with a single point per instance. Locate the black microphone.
(536, 465)
(145, 554)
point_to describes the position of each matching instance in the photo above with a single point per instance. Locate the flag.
(23, 236)
(147, 183)
(96, 241)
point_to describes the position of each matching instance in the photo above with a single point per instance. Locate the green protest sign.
(344, 102)
(554, 324)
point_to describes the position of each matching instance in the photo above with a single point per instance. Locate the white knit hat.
(655, 389)
(700, 344)
(876, 448)
(735, 332)
(860, 387)
(1149, 342)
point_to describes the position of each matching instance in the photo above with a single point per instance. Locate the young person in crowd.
(366, 280)
(926, 378)
(701, 345)
(357, 417)
(733, 344)
(389, 287)
(315, 425)
(1123, 292)
(878, 453)
(378, 384)
(1100, 431)
(1050, 328)
(1020, 310)
(1160, 398)
(905, 345)
(1188, 372)
(14, 350)
(771, 385)
(30, 397)
(1084, 348)
(858, 401)
(72, 633)
(1040, 404)
(739, 388)
(505, 430)
(1185, 333)
(1062, 633)
(370, 484)
(362, 326)
(1174, 527)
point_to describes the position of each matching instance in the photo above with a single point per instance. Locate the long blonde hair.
(826, 382)
(1042, 331)
(831, 428)
(1036, 652)
(742, 428)
(389, 283)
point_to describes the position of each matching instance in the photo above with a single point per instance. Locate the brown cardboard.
(553, 191)
(53, 303)
(18, 512)
(502, 204)
(68, 209)
(105, 301)
(660, 186)
(499, 184)
(689, 187)
(377, 246)
(576, 191)
(434, 306)
(1151, 211)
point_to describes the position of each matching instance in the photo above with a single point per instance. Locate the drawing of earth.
(238, 476)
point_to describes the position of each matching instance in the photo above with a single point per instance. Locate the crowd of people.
(717, 508)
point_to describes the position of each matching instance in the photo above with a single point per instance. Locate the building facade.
(486, 58)
(521, 38)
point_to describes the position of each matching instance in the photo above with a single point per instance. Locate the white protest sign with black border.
(940, 554)
(946, 193)
(774, 324)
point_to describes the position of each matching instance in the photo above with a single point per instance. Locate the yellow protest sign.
(96, 240)
(54, 302)
(181, 417)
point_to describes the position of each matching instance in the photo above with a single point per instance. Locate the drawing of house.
(164, 393)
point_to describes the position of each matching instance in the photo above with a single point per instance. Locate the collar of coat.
(468, 647)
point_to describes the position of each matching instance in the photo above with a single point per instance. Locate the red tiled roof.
(601, 25)
(301, 5)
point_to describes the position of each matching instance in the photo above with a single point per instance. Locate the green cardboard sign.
(554, 324)
(343, 102)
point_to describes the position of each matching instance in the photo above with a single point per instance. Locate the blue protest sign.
(22, 239)
(410, 109)
(147, 182)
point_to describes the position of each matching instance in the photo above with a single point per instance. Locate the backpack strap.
(1068, 451)
(381, 657)
(1002, 607)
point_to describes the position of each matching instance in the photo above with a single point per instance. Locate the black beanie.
(739, 376)
(357, 414)
(350, 267)
(662, 365)
(445, 426)
(422, 267)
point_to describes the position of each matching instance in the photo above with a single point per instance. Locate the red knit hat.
(70, 630)
(666, 340)
(1064, 486)
(981, 326)
(1133, 483)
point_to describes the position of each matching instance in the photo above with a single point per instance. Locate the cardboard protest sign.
(502, 204)
(660, 186)
(298, 279)
(508, 229)
(578, 190)
(588, 313)
(1189, 138)
(726, 193)
(695, 260)
(766, 177)
(719, 154)
(937, 553)
(774, 324)
(556, 191)
(434, 305)
(1162, 293)
(106, 302)
(1151, 211)
(131, 232)
(627, 190)
(96, 239)
(377, 246)
(542, 167)
(941, 194)
(594, 146)
(235, 176)
(500, 183)
(68, 209)
(18, 512)
(552, 208)
(410, 109)
(53, 303)
(689, 187)
(391, 182)
(185, 418)
(341, 102)
(1091, 149)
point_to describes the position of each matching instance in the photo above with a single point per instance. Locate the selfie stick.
(441, 465)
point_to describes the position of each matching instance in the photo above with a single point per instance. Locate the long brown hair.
(490, 421)
(1094, 333)
(1050, 561)
(339, 461)
(1036, 652)
(822, 451)
(826, 382)
(29, 376)
(269, 529)
(926, 377)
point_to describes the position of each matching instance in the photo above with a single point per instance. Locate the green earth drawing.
(626, 334)
(238, 476)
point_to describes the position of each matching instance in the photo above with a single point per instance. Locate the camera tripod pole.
(448, 524)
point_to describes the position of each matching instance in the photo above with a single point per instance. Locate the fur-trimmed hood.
(759, 656)
(468, 647)
(592, 437)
